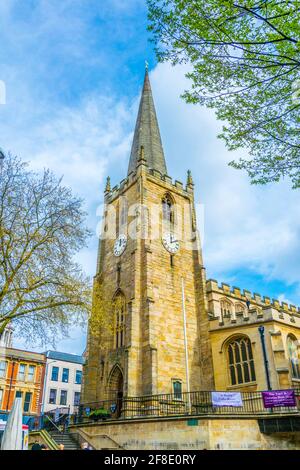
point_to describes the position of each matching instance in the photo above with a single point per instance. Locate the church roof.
(147, 140)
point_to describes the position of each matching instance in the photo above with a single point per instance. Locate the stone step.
(64, 439)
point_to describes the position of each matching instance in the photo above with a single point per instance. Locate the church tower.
(148, 332)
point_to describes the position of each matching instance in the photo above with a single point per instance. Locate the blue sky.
(73, 71)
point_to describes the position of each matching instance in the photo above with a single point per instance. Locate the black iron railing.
(164, 405)
(188, 404)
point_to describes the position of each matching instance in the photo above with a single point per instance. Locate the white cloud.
(282, 298)
(77, 142)
(246, 227)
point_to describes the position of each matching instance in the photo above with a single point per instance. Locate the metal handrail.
(79, 439)
(53, 424)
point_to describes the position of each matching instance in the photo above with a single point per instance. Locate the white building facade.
(6, 337)
(63, 378)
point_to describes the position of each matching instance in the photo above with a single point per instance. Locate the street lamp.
(261, 330)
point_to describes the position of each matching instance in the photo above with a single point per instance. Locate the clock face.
(170, 242)
(120, 245)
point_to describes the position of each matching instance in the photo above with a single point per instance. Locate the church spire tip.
(146, 134)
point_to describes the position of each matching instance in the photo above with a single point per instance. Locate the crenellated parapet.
(263, 301)
(176, 185)
(231, 305)
(157, 176)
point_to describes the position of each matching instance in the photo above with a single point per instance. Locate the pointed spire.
(146, 134)
(190, 181)
(108, 186)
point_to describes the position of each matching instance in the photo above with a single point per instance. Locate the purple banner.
(279, 398)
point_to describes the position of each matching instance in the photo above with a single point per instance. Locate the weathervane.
(146, 65)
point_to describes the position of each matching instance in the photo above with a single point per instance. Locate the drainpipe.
(186, 347)
(261, 330)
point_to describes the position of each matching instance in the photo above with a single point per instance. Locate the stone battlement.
(254, 315)
(152, 173)
(262, 301)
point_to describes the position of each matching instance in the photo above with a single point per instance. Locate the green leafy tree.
(42, 290)
(245, 63)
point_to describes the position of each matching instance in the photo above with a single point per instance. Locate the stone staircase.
(72, 441)
(105, 442)
(64, 438)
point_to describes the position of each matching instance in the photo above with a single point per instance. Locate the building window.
(27, 402)
(239, 309)
(3, 366)
(78, 377)
(240, 360)
(1, 397)
(76, 398)
(21, 374)
(31, 373)
(65, 375)
(63, 397)
(119, 306)
(167, 209)
(54, 375)
(293, 352)
(52, 396)
(226, 308)
(177, 389)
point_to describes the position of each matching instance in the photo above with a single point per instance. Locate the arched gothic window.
(293, 353)
(168, 209)
(239, 309)
(226, 308)
(240, 361)
(120, 320)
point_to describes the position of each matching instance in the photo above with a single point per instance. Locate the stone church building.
(161, 327)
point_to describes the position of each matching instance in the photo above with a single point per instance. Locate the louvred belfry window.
(167, 208)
